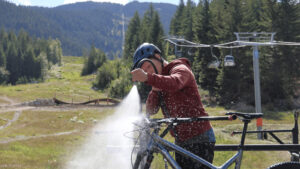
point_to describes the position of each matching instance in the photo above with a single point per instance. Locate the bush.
(119, 88)
(92, 62)
(105, 74)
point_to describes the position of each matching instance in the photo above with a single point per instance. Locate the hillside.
(79, 25)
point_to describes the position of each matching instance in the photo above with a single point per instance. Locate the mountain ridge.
(80, 25)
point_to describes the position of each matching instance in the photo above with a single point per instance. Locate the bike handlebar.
(154, 122)
(232, 116)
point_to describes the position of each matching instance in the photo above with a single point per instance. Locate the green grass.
(46, 152)
(65, 83)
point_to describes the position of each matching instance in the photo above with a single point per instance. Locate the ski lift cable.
(274, 43)
(288, 43)
(188, 43)
(197, 45)
(227, 43)
(229, 47)
(236, 44)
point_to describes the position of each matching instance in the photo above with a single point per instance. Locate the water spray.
(110, 143)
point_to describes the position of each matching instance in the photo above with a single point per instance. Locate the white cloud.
(21, 2)
(112, 1)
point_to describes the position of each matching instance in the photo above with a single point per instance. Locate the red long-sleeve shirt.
(181, 96)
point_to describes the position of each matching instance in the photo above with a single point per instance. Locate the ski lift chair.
(216, 63)
(229, 61)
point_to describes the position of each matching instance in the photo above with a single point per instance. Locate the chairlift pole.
(255, 39)
(257, 89)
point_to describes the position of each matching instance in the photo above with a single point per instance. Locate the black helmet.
(145, 50)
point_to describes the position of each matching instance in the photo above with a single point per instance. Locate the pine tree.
(90, 61)
(29, 65)
(175, 25)
(204, 33)
(23, 40)
(146, 23)
(156, 31)
(187, 21)
(287, 28)
(151, 28)
(95, 60)
(227, 20)
(254, 16)
(132, 38)
(2, 58)
(12, 63)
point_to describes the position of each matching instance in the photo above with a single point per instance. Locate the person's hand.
(139, 75)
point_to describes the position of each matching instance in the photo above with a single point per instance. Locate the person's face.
(147, 66)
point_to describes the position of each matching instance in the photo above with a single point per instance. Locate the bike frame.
(158, 144)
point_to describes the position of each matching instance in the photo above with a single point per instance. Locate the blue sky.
(53, 3)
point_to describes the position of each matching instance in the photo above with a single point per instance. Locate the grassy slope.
(52, 152)
(49, 152)
(64, 82)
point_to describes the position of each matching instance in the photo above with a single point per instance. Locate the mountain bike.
(151, 141)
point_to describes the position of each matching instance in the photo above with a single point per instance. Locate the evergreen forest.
(214, 22)
(205, 22)
(24, 59)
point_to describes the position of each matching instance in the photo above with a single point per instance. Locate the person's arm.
(178, 78)
(152, 103)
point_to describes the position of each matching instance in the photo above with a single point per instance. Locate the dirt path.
(14, 108)
(9, 105)
(15, 118)
(21, 138)
(7, 100)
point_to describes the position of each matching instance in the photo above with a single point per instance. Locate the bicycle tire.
(137, 162)
(148, 161)
(143, 162)
(286, 165)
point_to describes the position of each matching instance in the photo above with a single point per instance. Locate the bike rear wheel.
(286, 165)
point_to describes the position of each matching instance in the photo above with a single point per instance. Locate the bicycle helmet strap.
(161, 60)
(139, 65)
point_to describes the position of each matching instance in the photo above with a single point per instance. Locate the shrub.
(121, 86)
(105, 74)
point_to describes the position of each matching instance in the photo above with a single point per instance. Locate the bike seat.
(246, 115)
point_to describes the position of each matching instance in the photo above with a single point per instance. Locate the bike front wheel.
(286, 165)
(143, 161)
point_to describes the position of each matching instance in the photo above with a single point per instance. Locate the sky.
(53, 3)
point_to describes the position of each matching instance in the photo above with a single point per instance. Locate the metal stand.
(293, 148)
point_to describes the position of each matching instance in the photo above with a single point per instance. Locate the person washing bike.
(175, 91)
